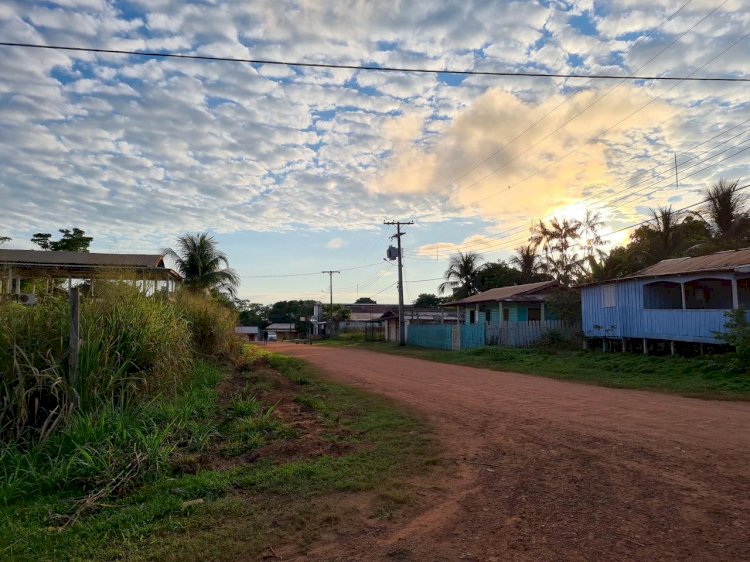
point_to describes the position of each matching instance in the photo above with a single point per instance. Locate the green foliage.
(4, 239)
(147, 520)
(211, 324)
(291, 311)
(461, 275)
(365, 300)
(202, 265)
(738, 335)
(427, 300)
(253, 313)
(565, 302)
(71, 241)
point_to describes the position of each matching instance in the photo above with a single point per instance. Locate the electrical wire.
(374, 68)
(304, 274)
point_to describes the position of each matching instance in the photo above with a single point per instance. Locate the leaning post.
(74, 298)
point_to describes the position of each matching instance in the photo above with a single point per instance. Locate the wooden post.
(75, 341)
(645, 347)
(624, 345)
(672, 347)
(735, 294)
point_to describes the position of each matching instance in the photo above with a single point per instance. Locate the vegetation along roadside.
(252, 461)
(710, 376)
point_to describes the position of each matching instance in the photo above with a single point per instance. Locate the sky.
(294, 170)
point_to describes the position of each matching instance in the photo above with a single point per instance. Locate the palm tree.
(461, 275)
(557, 240)
(726, 211)
(527, 262)
(200, 263)
(666, 229)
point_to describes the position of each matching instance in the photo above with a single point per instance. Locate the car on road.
(272, 336)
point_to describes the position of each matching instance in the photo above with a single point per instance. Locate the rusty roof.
(720, 261)
(63, 259)
(512, 292)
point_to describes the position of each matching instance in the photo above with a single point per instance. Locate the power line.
(568, 98)
(374, 68)
(303, 274)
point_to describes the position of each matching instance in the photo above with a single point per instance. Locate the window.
(662, 295)
(609, 296)
(535, 314)
(708, 294)
(506, 314)
(743, 293)
(472, 317)
(488, 316)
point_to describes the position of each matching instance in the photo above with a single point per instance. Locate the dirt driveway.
(552, 470)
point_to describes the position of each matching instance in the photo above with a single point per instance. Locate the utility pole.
(330, 273)
(397, 236)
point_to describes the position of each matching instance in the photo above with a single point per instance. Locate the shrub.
(211, 324)
(738, 335)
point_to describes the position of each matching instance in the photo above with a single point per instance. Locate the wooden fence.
(469, 336)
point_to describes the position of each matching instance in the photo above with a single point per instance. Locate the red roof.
(720, 261)
(510, 293)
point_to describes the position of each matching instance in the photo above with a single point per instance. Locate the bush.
(738, 335)
(211, 324)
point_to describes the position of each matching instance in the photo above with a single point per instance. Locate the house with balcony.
(675, 300)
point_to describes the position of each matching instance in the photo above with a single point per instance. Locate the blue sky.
(294, 170)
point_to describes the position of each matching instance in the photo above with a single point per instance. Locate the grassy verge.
(703, 377)
(238, 474)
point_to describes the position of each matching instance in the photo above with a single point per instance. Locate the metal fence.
(469, 336)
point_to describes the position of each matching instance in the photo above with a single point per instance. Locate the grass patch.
(244, 506)
(709, 376)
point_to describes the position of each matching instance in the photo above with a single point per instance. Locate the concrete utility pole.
(330, 273)
(397, 236)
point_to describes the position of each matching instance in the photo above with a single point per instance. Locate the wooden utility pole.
(397, 236)
(74, 298)
(330, 273)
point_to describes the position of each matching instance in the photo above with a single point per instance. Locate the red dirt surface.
(553, 470)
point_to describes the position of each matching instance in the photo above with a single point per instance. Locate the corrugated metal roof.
(512, 292)
(281, 327)
(42, 257)
(720, 261)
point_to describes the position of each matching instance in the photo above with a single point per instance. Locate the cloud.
(335, 243)
(136, 149)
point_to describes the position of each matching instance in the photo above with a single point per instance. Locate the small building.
(283, 330)
(49, 269)
(413, 317)
(515, 303)
(250, 333)
(675, 300)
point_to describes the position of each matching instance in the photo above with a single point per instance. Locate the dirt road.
(552, 470)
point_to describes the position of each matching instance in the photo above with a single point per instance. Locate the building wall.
(629, 319)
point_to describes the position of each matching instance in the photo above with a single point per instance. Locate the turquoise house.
(515, 304)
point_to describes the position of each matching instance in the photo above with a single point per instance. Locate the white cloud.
(335, 243)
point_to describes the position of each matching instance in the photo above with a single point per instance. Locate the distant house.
(412, 317)
(675, 300)
(250, 333)
(283, 330)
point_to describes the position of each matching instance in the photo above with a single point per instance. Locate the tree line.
(571, 251)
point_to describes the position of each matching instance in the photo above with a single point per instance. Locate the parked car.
(272, 336)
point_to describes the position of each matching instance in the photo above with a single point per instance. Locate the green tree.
(726, 212)
(527, 261)
(496, 274)
(202, 265)
(74, 240)
(427, 300)
(558, 241)
(461, 275)
(365, 300)
(253, 313)
(291, 311)
(4, 239)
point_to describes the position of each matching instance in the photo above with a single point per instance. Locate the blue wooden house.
(675, 300)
